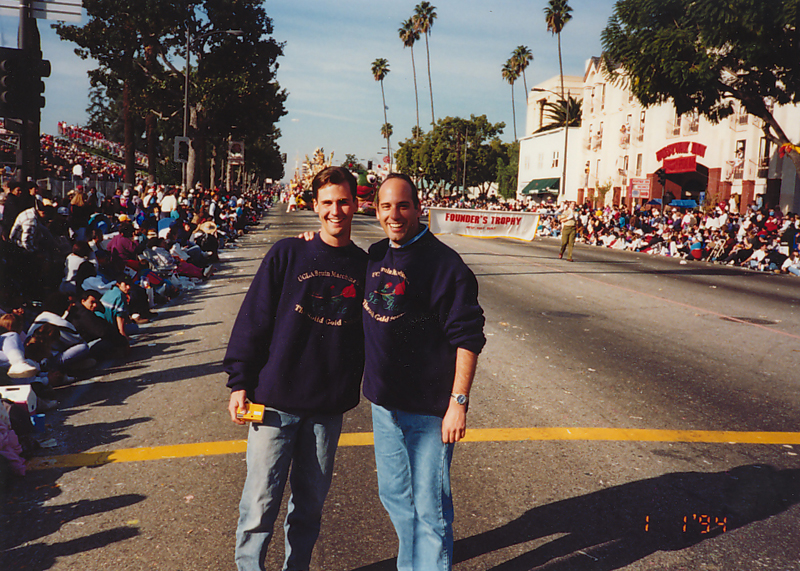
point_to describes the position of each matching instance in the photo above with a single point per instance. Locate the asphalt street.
(628, 412)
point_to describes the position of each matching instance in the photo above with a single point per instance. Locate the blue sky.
(334, 102)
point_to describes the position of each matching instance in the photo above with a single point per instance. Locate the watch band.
(460, 399)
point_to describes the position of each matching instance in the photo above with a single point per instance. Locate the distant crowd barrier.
(484, 223)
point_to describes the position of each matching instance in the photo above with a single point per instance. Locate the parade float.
(366, 193)
(303, 176)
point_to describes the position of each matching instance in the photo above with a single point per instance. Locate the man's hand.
(307, 236)
(237, 403)
(454, 424)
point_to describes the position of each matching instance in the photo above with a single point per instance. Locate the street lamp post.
(563, 189)
(189, 42)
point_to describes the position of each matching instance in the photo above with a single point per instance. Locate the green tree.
(510, 74)
(718, 53)
(409, 35)
(522, 58)
(507, 172)
(424, 15)
(556, 15)
(140, 48)
(437, 158)
(556, 112)
(380, 69)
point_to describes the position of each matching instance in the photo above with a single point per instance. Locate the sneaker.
(208, 272)
(23, 370)
(138, 319)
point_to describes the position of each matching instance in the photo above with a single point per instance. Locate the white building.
(620, 146)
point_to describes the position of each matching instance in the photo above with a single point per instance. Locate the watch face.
(461, 399)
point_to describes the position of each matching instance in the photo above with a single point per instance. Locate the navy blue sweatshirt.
(420, 306)
(298, 344)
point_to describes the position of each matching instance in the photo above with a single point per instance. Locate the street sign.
(182, 149)
(61, 10)
(640, 187)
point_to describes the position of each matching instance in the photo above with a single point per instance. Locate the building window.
(540, 161)
(641, 126)
(676, 125)
(554, 163)
(639, 164)
(694, 122)
(603, 97)
(738, 161)
(763, 157)
(527, 162)
(586, 174)
(598, 143)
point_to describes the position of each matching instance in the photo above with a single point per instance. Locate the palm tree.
(556, 15)
(380, 69)
(387, 130)
(557, 113)
(424, 15)
(509, 72)
(522, 58)
(409, 35)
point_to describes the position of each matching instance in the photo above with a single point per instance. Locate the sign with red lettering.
(484, 223)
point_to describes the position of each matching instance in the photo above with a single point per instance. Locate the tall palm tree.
(522, 58)
(409, 35)
(556, 15)
(510, 74)
(380, 69)
(424, 15)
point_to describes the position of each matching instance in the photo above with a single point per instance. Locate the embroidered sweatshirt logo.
(388, 301)
(327, 300)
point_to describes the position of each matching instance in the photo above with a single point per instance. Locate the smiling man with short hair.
(297, 347)
(423, 328)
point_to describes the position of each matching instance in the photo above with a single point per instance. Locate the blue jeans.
(309, 444)
(414, 486)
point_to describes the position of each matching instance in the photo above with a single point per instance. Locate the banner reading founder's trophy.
(484, 223)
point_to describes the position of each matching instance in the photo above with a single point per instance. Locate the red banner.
(680, 164)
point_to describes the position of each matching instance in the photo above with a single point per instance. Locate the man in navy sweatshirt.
(297, 347)
(423, 328)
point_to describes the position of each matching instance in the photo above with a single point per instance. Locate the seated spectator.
(12, 349)
(115, 307)
(122, 247)
(79, 265)
(101, 335)
(792, 264)
(71, 352)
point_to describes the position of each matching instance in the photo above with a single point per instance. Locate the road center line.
(473, 435)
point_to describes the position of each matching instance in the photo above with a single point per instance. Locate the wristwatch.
(460, 399)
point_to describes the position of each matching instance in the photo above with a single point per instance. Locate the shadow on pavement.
(615, 527)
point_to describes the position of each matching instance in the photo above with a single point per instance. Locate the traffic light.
(21, 85)
(662, 176)
(369, 165)
(40, 69)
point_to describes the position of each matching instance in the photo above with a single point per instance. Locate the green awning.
(542, 186)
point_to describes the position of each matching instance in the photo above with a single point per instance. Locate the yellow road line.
(473, 435)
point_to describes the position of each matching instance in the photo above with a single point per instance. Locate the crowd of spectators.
(79, 275)
(762, 239)
(95, 140)
(69, 159)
